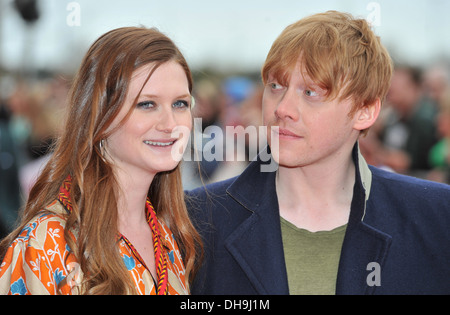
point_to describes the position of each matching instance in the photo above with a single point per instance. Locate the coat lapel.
(363, 244)
(256, 243)
(363, 247)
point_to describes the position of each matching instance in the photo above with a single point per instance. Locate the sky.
(231, 35)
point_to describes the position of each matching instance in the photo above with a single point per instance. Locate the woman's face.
(154, 137)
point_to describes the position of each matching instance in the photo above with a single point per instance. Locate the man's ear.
(367, 115)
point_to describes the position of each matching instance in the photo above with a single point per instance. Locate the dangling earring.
(102, 146)
(192, 102)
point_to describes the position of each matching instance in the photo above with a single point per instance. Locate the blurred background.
(42, 43)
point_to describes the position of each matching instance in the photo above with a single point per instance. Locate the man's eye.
(311, 93)
(275, 86)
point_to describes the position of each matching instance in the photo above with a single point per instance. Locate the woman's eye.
(180, 104)
(146, 104)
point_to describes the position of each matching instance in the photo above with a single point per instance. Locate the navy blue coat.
(400, 223)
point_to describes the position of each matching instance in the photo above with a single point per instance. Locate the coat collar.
(254, 187)
(363, 184)
(160, 247)
(257, 243)
(364, 244)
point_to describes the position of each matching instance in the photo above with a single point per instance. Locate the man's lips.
(285, 133)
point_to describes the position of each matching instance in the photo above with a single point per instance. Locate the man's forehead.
(298, 71)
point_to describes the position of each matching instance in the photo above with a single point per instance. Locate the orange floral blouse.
(39, 259)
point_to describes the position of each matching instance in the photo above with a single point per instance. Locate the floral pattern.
(39, 261)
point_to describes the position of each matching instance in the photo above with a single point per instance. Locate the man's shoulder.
(408, 183)
(406, 192)
(213, 203)
(216, 189)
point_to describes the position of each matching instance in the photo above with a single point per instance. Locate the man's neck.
(316, 197)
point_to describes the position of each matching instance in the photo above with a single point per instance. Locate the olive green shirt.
(312, 259)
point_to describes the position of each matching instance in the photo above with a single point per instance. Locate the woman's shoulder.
(50, 222)
(36, 261)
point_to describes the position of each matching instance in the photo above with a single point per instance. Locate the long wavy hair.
(97, 94)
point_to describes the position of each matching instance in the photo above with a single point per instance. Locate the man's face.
(403, 93)
(311, 129)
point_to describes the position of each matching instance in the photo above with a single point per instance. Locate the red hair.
(97, 95)
(339, 53)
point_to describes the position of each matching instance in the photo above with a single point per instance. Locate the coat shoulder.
(205, 192)
(401, 204)
(212, 200)
(410, 186)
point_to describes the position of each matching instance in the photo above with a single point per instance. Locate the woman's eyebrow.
(156, 96)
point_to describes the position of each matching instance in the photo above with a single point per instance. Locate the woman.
(97, 220)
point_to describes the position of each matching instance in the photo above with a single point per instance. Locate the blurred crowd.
(30, 117)
(412, 135)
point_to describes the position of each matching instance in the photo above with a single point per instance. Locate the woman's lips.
(160, 143)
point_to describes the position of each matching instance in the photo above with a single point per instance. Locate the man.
(324, 222)
(9, 176)
(410, 130)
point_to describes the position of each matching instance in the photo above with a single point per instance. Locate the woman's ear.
(367, 115)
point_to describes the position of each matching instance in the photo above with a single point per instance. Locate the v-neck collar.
(158, 243)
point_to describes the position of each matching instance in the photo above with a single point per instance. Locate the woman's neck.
(132, 196)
